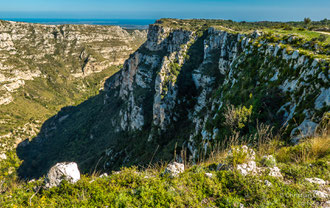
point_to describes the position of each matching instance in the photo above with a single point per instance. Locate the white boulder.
(62, 171)
(3, 156)
(174, 169)
(209, 175)
(104, 175)
(275, 172)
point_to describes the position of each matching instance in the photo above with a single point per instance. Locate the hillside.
(44, 68)
(194, 92)
(298, 177)
(190, 88)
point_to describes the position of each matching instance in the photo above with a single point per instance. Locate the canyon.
(186, 88)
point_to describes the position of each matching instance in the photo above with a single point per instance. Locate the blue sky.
(249, 10)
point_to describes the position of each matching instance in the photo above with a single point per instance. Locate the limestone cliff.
(284, 87)
(177, 89)
(46, 67)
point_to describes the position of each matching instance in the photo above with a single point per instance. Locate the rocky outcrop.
(180, 86)
(245, 157)
(230, 53)
(174, 169)
(3, 156)
(62, 171)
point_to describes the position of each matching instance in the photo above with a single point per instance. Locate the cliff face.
(283, 88)
(43, 68)
(187, 89)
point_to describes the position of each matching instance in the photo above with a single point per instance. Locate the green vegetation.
(42, 98)
(237, 156)
(314, 41)
(238, 117)
(196, 24)
(133, 187)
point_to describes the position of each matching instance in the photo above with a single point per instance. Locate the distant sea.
(125, 23)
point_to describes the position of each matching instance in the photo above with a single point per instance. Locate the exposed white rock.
(269, 50)
(6, 98)
(104, 175)
(141, 69)
(61, 119)
(209, 175)
(295, 54)
(289, 86)
(174, 169)
(3, 156)
(292, 38)
(275, 77)
(318, 181)
(285, 55)
(248, 168)
(305, 129)
(62, 171)
(137, 118)
(277, 48)
(256, 34)
(300, 61)
(275, 172)
(315, 63)
(323, 99)
(320, 194)
(223, 66)
(30, 52)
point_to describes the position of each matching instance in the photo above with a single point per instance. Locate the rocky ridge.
(178, 90)
(301, 83)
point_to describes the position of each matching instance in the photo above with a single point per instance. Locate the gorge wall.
(178, 91)
(45, 67)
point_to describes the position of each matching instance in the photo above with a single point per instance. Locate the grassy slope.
(132, 187)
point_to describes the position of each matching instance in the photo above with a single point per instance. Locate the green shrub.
(239, 155)
(268, 161)
(237, 117)
(322, 38)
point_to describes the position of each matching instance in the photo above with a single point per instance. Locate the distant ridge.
(125, 23)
